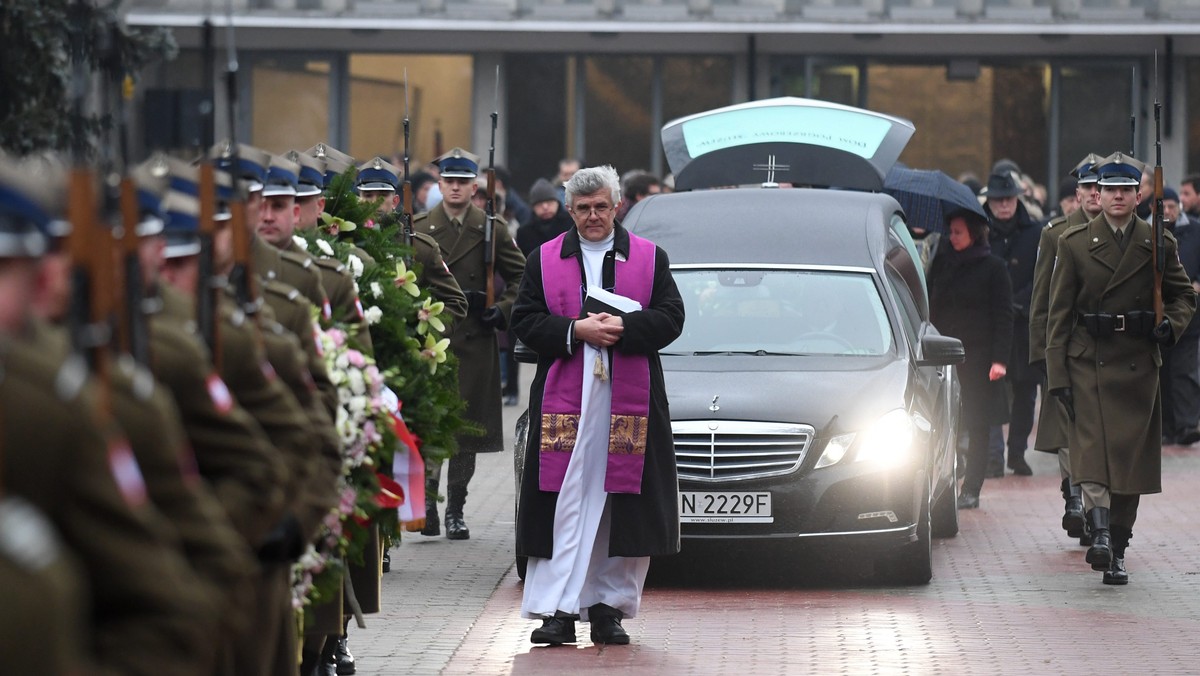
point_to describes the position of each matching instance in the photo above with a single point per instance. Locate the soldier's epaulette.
(426, 238)
(141, 380)
(304, 260)
(1055, 222)
(421, 216)
(278, 288)
(1074, 230)
(331, 264)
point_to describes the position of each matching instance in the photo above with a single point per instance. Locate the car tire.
(945, 510)
(912, 563)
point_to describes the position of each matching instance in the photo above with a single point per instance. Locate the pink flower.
(356, 358)
(337, 336)
(370, 223)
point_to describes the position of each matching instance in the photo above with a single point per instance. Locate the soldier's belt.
(1104, 325)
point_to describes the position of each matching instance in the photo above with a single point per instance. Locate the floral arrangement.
(364, 427)
(410, 358)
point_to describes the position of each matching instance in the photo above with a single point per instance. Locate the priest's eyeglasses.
(586, 210)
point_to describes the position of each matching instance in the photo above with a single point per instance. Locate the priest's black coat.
(646, 524)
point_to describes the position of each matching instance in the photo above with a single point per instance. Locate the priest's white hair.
(594, 179)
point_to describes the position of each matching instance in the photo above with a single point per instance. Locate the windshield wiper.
(753, 353)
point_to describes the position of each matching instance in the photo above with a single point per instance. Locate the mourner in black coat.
(970, 298)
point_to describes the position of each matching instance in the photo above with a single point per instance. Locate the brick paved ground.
(1010, 595)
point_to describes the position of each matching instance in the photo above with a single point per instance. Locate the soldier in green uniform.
(459, 229)
(148, 611)
(278, 227)
(1052, 419)
(1102, 358)
(148, 416)
(377, 181)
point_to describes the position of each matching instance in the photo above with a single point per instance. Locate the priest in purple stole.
(599, 495)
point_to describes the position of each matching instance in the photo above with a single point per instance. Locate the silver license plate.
(725, 507)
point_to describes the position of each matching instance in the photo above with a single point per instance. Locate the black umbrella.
(929, 196)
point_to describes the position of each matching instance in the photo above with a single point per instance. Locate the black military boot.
(606, 625)
(432, 523)
(1072, 520)
(1116, 573)
(1100, 553)
(456, 528)
(555, 630)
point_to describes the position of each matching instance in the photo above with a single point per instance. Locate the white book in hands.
(598, 300)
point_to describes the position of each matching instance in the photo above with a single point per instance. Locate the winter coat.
(1016, 243)
(970, 299)
(1116, 439)
(537, 232)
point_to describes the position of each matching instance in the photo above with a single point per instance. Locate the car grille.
(736, 450)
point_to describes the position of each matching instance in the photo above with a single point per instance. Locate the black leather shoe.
(554, 631)
(995, 470)
(1100, 553)
(327, 669)
(345, 661)
(1188, 437)
(1020, 467)
(456, 528)
(968, 501)
(387, 562)
(606, 625)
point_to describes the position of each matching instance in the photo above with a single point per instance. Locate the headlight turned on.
(887, 443)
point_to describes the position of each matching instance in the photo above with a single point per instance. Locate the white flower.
(373, 315)
(356, 265)
(300, 242)
(376, 290)
(357, 384)
(324, 247)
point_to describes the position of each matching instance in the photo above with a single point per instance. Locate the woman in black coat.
(970, 298)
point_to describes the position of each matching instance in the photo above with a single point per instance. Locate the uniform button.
(1133, 367)
(1102, 363)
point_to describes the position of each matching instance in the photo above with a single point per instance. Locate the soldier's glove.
(1162, 334)
(493, 318)
(1064, 396)
(284, 544)
(476, 303)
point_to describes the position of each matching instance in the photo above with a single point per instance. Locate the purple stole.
(562, 399)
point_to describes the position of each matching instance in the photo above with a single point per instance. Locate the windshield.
(792, 312)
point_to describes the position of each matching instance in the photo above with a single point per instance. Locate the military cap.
(1001, 185)
(311, 176)
(182, 225)
(1120, 169)
(377, 174)
(1085, 171)
(336, 161)
(283, 175)
(252, 163)
(25, 213)
(458, 163)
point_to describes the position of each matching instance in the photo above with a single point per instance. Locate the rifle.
(489, 244)
(242, 276)
(406, 202)
(207, 286)
(132, 335)
(1158, 241)
(90, 256)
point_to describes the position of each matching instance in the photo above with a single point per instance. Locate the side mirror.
(939, 350)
